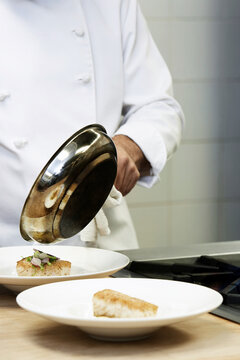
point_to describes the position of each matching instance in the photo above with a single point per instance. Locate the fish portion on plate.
(43, 264)
(114, 304)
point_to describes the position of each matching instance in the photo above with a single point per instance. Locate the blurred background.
(197, 199)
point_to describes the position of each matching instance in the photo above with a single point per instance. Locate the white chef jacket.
(65, 64)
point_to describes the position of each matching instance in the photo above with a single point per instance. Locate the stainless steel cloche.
(71, 188)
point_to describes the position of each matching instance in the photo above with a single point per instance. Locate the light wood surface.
(27, 336)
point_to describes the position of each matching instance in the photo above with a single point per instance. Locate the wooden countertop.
(24, 335)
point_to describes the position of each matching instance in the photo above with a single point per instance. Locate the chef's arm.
(131, 164)
(152, 118)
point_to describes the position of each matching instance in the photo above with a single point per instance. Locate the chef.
(68, 64)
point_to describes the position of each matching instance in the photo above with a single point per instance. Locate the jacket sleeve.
(151, 116)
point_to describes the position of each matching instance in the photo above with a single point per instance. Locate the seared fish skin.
(113, 304)
(57, 268)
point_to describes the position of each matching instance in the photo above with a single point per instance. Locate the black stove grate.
(219, 273)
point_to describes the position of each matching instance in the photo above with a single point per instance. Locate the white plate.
(86, 263)
(70, 302)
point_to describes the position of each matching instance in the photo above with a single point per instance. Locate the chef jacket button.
(84, 79)
(20, 143)
(4, 96)
(79, 32)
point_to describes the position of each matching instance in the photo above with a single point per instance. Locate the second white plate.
(70, 302)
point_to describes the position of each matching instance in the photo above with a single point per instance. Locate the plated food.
(176, 301)
(85, 262)
(43, 264)
(114, 304)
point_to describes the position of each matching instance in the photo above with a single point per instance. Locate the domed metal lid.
(71, 188)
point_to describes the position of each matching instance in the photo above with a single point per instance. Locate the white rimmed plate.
(86, 263)
(70, 302)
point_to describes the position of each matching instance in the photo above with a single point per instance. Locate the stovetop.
(218, 271)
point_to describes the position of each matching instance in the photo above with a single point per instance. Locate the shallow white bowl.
(70, 302)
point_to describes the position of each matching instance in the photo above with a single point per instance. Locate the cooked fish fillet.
(57, 268)
(111, 303)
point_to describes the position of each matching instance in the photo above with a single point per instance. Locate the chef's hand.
(131, 164)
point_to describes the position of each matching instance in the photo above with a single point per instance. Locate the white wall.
(198, 196)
